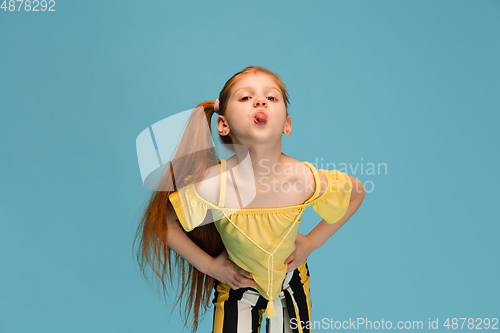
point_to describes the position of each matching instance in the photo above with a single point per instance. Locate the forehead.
(255, 80)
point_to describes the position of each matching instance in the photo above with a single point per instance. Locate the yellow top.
(260, 239)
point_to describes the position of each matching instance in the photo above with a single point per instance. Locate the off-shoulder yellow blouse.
(260, 239)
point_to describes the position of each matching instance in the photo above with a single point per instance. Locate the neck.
(264, 161)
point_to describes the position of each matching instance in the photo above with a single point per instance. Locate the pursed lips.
(260, 117)
(261, 111)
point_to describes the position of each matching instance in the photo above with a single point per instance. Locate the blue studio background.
(409, 84)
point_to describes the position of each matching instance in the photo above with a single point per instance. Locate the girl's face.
(255, 111)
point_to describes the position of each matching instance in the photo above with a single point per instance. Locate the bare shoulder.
(305, 179)
(209, 187)
(323, 181)
(357, 190)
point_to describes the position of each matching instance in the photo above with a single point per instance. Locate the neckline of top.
(266, 209)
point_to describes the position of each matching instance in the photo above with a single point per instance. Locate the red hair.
(195, 286)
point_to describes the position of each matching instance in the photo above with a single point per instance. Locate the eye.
(273, 98)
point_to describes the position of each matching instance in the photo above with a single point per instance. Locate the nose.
(260, 101)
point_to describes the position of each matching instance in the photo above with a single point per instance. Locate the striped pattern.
(241, 311)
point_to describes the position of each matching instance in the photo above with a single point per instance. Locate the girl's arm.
(220, 268)
(319, 235)
(306, 244)
(181, 244)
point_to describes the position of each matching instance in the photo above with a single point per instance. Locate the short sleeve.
(190, 211)
(333, 203)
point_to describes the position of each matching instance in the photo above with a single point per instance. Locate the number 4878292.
(29, 5)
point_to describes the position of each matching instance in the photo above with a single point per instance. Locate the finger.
(249, 283)
(246, 281)
(243, 272)
(243, 281)
(291, 266)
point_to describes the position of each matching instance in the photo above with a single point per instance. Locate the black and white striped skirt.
(241, 311)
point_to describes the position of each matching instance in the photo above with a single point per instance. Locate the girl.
(252, 255)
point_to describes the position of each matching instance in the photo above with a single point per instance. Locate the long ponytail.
(195, 287)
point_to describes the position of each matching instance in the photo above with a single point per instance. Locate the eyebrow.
(251, 88)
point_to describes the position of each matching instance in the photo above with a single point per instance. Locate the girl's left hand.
(303, 248)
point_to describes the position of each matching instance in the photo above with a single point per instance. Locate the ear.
(222, 126)
(288, 126)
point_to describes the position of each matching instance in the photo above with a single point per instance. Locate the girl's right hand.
(226, 271)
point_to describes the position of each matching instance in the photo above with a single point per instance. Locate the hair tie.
(216, 106)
